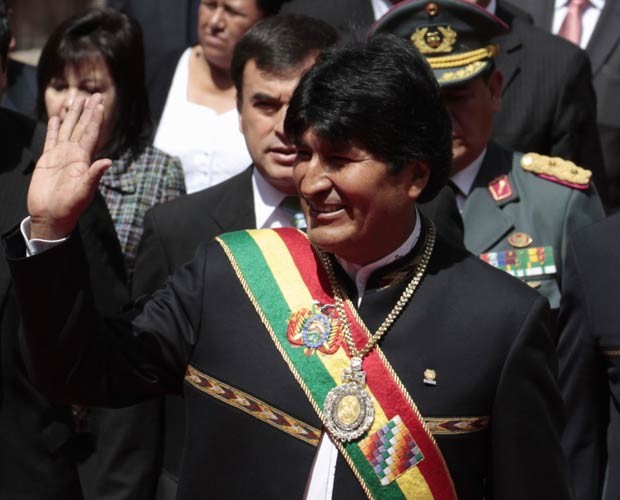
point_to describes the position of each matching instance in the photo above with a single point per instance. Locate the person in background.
(266, 66)
(193, 97)
(593, 26)
(589, 355)
(518, 210)
(40, 445)
(101, 51)
(549, 104)
(21, 86)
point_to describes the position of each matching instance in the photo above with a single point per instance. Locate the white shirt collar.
(360, 274)
(597, 4)
(379, 7)
(464, 179)
(492, 7)
(266, 199)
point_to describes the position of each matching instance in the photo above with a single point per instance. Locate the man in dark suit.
(589, 354)
(40, 446)
(548, 99)
(518, 211)
(260, 375)
(173, 231)
(603, 47)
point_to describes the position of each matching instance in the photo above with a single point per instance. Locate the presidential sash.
(289, 288)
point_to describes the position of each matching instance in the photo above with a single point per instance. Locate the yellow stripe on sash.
(283, 268)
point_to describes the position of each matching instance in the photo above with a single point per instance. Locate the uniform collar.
(361, 274)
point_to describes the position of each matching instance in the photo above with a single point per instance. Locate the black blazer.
(166, 26)
(589, 353)
(20, 93)
(351, 17)
(173, 231)
(38, 447)
(548, 102)
(604, 51)
(489, 343)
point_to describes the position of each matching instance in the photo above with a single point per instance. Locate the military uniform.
(515, 219)
(543, 210)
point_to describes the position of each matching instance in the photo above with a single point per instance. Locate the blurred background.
(34, 20)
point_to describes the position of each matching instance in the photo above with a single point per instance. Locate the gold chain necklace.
(348, 408)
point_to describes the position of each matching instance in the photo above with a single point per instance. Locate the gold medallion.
(348, 408)
(520, 240)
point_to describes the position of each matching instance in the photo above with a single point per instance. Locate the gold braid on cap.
(456, 60)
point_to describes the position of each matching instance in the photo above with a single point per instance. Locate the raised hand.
(64, 181)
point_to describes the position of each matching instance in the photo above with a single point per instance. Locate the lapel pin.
(430, 377)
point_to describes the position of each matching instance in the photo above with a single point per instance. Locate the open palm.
(64, 181)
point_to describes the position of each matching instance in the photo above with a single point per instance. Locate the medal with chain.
(348, 408)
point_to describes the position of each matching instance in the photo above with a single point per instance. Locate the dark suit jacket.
(548, 103)
(166, 25)
(589, 352)
(173, 232)
(497, 362)
(38, 447)
(604, 51)
(20, 93)
(351, 17)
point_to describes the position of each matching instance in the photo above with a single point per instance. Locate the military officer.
(518, 210)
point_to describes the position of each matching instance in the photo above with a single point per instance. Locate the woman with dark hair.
(102, 51)
(193, 97)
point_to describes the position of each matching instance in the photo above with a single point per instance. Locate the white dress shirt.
(589, 18)
(323, 472)
(267, 201)
(380, 7)
(209, 144)
(464, 179)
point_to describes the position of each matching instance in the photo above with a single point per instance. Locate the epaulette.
(557, 170)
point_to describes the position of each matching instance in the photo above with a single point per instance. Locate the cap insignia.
(557, 170)
(432, 9)
(440, 39)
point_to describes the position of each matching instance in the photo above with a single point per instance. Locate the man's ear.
(495, 84)
(420, 174)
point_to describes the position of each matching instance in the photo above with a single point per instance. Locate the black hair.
(381, 95)
(117, 39)
(5, 35)
(280, 44)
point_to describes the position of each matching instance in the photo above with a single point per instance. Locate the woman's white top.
(210, 145)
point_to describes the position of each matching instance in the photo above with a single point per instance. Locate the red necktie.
(571, 26)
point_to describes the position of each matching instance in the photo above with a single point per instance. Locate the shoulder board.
(557, 170)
